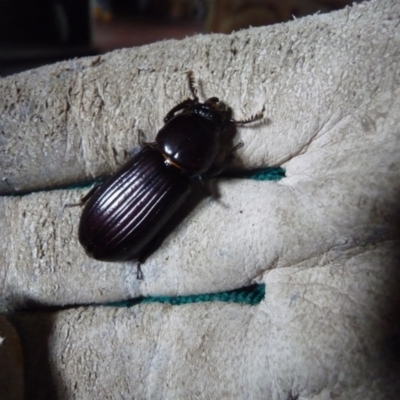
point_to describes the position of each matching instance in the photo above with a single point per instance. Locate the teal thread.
(87, 185)
(250, 295)
(267, 174)
(83, 185)
(257, 174)
(260, 174)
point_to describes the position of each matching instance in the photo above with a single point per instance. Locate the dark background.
(34, 33)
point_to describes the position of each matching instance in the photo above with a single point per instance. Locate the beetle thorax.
(191, 140)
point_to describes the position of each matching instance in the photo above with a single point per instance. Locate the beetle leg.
(208, 188)
(141, 140)
(225, 163)
(192, 85)
(235, 147)
(139, 273)
(85, 198)
(181, 106)
(230, 156)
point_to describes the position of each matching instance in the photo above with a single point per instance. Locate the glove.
(323, 240)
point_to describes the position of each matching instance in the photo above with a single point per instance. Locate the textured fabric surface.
(324, 239)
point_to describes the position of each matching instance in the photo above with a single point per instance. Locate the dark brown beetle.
(122, 216)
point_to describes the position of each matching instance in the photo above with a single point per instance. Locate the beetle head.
(214, 110)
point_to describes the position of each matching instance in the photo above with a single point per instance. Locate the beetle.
(123, 215)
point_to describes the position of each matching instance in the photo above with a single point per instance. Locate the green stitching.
(251, 295)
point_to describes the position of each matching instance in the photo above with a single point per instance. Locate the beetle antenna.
(255, 117)
(192, 84)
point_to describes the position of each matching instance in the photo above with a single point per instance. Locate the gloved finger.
(75, 120)
(311, 324)
(332, 200)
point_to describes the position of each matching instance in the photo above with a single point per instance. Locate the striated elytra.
(122, 216)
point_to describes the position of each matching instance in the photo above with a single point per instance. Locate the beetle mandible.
(122, 216)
